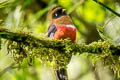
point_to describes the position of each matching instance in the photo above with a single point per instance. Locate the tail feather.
(61, 74)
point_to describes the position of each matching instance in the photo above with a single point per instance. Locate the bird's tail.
(61, 74)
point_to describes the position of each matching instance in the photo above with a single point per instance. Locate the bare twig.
(117, 14)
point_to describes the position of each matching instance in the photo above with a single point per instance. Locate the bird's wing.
(51, 30)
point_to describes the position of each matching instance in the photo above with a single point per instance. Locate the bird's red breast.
(67, 31)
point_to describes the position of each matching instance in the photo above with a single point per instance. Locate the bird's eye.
(56, 14)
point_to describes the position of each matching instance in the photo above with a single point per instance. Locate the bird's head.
(58, 12)
(59, 16)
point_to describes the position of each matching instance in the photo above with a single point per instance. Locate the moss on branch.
(58, 52)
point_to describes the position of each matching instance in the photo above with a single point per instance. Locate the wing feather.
(51, 30)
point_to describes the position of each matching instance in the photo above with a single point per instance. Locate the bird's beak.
(63, 10)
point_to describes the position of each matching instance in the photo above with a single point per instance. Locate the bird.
(61, 27)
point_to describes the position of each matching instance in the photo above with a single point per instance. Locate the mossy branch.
(28, 40)
(58, 52)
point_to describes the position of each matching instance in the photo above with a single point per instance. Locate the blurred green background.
(32, 16)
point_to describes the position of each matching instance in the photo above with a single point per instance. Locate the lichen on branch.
(58, 52)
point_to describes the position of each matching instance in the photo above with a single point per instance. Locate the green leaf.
(26, 3)
(111, 30)
(3, 3)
